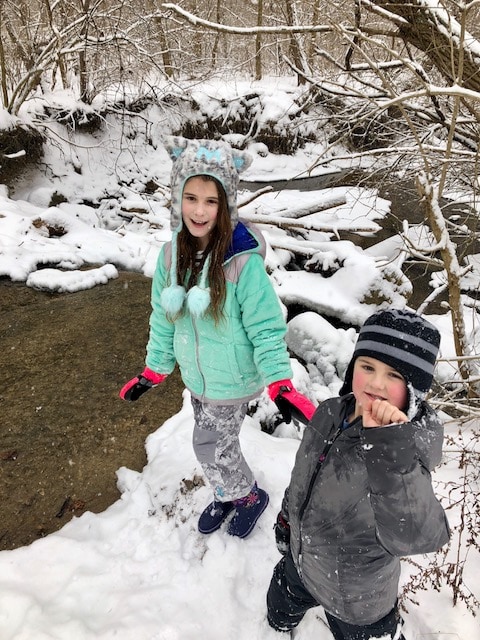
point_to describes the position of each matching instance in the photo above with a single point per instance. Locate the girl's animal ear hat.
(194, 158)
(403, 340)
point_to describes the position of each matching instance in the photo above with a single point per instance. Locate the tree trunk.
(429, 196)
(3, 68)
(216, 43)
(161, 33)
(166, 51)
(313, 36)
(258, 43)
(82, 59)
(295, 47)
(435, 31)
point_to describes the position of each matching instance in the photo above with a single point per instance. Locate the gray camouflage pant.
(217, 447)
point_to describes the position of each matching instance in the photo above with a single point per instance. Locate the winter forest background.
(382, 97)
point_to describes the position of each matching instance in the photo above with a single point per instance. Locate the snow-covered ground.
(140, 570)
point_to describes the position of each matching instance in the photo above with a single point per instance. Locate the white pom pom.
(198, 300)
(172, 299)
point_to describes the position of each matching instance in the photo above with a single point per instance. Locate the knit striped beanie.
(404, 341)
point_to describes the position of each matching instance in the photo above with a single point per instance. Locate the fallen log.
(311, 225)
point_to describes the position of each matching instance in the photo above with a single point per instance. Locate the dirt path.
(63, 429)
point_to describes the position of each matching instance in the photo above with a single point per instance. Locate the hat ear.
(241, 159)
(175, 146)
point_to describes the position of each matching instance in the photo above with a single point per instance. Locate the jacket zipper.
(321, 460)
(197, 357)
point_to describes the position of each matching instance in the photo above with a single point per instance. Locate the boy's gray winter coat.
(353, 514)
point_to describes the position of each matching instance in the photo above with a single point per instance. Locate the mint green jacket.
(232, 361)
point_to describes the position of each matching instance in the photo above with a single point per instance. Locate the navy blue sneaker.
(248, 511)
(212, 517)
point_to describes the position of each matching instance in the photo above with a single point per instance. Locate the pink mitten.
(137, 386)
(290, 402)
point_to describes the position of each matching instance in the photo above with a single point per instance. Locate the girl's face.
(374, 379)
(200, 203)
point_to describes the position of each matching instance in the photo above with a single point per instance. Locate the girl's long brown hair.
(220, 241)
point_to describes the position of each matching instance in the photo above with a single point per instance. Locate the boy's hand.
(381, 413)
(282, 534)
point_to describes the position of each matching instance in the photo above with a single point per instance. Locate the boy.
(360, 495)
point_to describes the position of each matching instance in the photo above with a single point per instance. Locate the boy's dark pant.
(288, 601)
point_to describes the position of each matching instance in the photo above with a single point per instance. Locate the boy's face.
(374, 379)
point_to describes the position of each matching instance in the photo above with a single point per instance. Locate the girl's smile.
(200, 202)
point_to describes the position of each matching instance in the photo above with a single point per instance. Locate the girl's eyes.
(211, 203)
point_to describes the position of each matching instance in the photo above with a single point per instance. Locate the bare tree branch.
(250, 31)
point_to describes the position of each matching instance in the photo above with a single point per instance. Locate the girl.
(215, 312)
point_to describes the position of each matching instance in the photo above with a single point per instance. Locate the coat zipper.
(321, 459)
(197, 357)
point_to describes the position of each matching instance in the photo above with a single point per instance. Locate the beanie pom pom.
(172, 299)
(198, 300)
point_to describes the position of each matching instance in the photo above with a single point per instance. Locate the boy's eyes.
(367, 367)
(391, 374)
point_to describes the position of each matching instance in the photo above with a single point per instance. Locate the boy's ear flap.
(241, 159)
(174, 145)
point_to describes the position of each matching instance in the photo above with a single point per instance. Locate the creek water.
(405, 205)
(64, 430)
